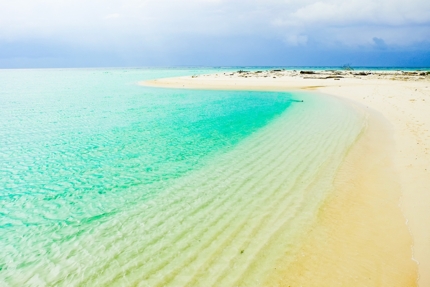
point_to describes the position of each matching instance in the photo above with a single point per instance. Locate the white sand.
(403, 99)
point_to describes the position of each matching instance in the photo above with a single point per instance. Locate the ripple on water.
(136, 190)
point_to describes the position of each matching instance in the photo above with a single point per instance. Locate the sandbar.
(402, 100)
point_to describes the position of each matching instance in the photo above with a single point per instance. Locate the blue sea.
(105, 182)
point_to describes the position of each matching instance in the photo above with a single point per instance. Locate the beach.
(111, 183)
(210, 177)
(215, 143)
(374, 222)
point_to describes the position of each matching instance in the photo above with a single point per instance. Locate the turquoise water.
(104, 182)
(85, 142)
(80, 145)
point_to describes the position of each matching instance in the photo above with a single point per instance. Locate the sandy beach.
(376, 220)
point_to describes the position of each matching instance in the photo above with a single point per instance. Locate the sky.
(135, 33)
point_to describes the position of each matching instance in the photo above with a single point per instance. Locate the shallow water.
(106, 182)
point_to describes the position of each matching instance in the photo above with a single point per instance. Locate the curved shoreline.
(404, 103)
(359, 237)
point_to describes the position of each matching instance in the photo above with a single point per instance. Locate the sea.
(104, 182)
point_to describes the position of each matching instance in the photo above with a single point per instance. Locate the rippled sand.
(362, 232)
(233, 222)
(310, 199)
(360, 237)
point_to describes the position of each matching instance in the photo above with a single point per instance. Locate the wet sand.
(375, 221)
(360, 237)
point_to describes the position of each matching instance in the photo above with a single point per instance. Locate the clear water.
(75, 139)
(103, 181)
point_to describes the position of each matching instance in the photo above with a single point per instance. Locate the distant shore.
(401, 97)
(292, 79)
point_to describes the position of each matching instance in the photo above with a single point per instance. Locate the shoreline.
(346, 246)
(402, 98)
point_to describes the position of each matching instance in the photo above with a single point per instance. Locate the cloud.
(353, 23)
(297, 40)
(112, 16)
(379, 43)
(162, 27)
(79, 19)
(353, 12)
